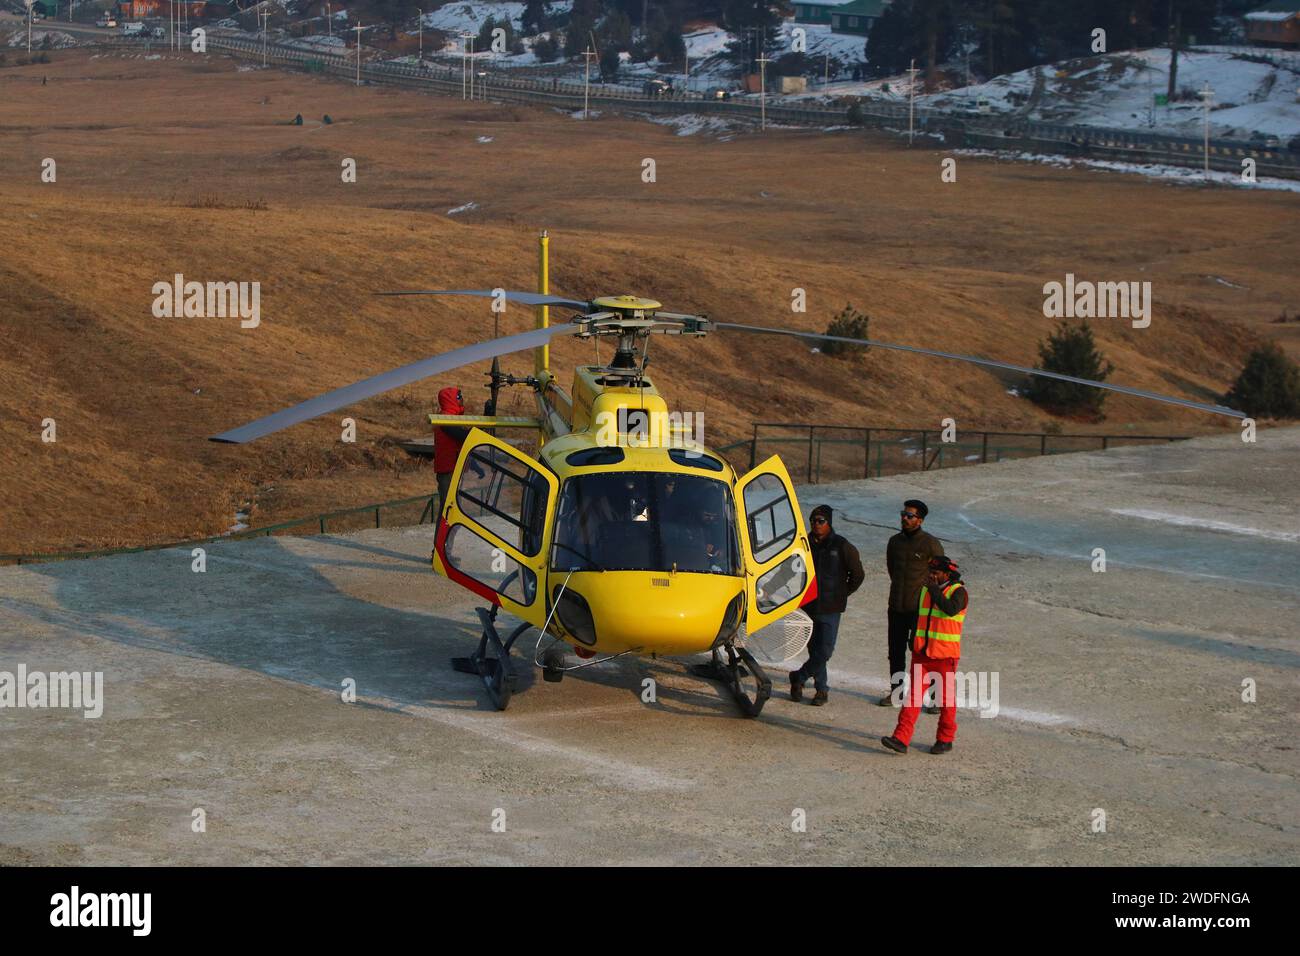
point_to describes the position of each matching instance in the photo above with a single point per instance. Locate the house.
(140, 9)
(857, 16)
(1274, 24)
(815, 11)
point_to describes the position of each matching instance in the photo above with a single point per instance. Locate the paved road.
(1118, 691)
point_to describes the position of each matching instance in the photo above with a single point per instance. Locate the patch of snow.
(1251, 100)
(469, 16)
(1175, 174)
(485, 139)
(1206, 524)
(468, 207)
(1223, 281)
(688, 124)
(58, 39)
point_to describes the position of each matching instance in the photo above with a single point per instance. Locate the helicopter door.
(495, 525)
(778, 561)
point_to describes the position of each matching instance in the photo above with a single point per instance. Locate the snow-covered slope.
(1251, 99)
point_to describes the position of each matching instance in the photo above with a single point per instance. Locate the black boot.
(819, 698)
(796, 688)
(894, 744)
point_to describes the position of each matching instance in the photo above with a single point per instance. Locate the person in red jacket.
(936, 649)
(447, 440)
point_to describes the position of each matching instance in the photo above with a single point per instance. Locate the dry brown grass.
(729, 228)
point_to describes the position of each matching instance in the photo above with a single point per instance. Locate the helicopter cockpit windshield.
(646, 521)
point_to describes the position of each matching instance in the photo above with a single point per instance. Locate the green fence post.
(984, 452)
(810, 439)
(1042, 444)
(924, 448)
(866, 456)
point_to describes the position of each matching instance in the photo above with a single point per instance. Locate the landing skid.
(495, 671)
(738, 669)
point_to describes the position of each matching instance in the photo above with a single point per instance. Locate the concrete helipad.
(1119, 691)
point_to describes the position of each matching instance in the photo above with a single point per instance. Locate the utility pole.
(587, 54)
(911, 100)
(1207, 99)
(1175, 27)
(827, 80)
(30, 4)
(329, 20)
(358, 29)
(421, 13)
(265, 14)
(464, 50)
(763, 61)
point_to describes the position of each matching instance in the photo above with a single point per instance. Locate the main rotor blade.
(385, 381)
(992, 363)
(523, 298)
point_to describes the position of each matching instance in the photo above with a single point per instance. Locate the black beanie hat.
(824, 511)
(917, 506)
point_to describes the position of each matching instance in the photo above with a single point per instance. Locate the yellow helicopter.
(624, 535)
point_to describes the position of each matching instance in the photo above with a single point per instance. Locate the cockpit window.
(646, 521)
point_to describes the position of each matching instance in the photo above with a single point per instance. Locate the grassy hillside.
(179, 165)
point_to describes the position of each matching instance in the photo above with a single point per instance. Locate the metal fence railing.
(402, 512)
(817, 453)
(812, 454)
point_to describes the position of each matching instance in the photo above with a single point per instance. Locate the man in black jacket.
(839, 573)
(907, 558)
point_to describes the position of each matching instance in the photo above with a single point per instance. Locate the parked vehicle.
(656, 88)
(132, 29)
(158, 33)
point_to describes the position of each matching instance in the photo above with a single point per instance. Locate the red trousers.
(922, 666)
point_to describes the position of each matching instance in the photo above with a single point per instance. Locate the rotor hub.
(627, 304)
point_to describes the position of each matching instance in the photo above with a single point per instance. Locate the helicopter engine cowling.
(676, 613)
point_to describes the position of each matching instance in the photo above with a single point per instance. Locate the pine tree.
(1268, 386)
(1070, 350)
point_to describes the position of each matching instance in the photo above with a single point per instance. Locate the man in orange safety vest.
(936, 648)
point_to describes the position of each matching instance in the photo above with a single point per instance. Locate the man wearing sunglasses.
(839, 573)
(907, 558)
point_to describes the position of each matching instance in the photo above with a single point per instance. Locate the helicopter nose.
(653, 612)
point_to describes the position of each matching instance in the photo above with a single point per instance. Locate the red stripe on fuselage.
(464, 580)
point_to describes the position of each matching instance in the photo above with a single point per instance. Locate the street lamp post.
(911, 99)
(1207, 99)
(464, 62)
(358, 29)
(763, 61)
(329, 20)
(587, 54)
(421, 13)
(30, 4)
